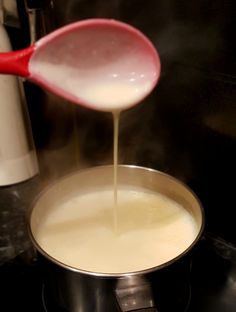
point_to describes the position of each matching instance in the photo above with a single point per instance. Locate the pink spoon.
(98, 63)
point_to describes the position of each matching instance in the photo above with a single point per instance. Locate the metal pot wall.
(73, 290)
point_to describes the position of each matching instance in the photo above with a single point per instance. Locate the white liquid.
(152, 230)
(111, 95)
(104, 93)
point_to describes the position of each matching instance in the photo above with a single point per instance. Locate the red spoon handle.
(16, 62)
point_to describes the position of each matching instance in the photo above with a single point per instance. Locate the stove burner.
(189, 299)
(44, 299)
(48, 305)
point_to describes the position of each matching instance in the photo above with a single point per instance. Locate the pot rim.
(114, 275)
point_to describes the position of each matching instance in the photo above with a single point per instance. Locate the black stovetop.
(213, 286)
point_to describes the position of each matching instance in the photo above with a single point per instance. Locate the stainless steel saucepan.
(75, 290)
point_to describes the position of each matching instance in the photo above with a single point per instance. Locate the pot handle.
(134, 293)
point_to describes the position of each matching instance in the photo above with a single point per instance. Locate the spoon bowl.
(102, 64)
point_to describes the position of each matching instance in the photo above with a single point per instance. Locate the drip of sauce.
(115, 96)
(116, 117)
